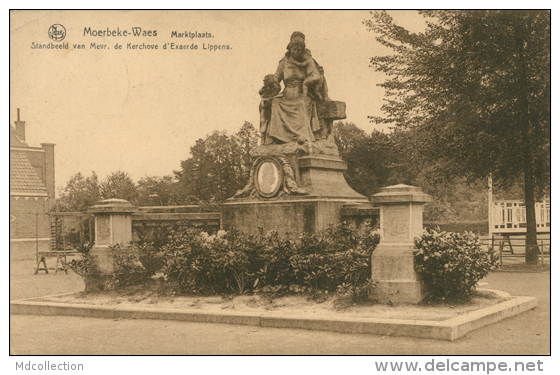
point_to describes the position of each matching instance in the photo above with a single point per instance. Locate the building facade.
(32, 194)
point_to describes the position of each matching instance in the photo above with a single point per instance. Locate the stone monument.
(113, 226)
(296, 183)
(400, 210)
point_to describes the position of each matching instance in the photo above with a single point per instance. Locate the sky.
(140, 110)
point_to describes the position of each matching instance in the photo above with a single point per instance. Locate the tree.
(348, 136)
(157, 191)
(79, 194)
(119, 185)
(219, 165)
(475, 86)
(367, 157)
(247, 139)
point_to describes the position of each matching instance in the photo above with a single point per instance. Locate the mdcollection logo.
(57, 32)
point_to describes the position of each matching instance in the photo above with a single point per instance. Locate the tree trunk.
(531, 247)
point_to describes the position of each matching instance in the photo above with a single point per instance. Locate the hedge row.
(337, 259)
(234, 262)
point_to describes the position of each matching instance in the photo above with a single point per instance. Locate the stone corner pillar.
(113, 225)
(392, 263)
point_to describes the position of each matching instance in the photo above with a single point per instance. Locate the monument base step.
(405, 291)
(290, 216)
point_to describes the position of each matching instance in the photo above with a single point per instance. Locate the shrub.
(355, 293)
(333, 257)
(150, 257)
(156, 236)
(84, 248)
(234, 262)
(451, 263)
(128, 270)
(86, 266)
(224, 263)
(233, 257)
(275, 271)
(181, 266)
(354, 273)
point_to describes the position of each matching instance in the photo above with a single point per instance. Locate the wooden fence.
(509, 249)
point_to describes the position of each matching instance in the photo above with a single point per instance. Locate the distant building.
(32, 194)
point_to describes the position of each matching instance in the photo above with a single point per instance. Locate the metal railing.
(509, 249)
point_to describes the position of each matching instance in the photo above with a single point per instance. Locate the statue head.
(297, 35)
(271, 87)
(269, 80)
(296, 47)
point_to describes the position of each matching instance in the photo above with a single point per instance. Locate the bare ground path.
(525, 334)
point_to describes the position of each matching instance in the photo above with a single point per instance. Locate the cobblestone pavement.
(525, 334)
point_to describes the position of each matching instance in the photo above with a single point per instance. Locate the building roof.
(23, 176)
(14, 139)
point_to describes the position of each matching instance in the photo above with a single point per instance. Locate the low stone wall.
(144, 221)
(361, 216)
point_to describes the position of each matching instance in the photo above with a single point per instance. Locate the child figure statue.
(311, 80)
(270, 89)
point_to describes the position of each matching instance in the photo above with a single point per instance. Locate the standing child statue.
(270, 89)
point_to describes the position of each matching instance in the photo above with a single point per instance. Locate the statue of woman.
(291, 116)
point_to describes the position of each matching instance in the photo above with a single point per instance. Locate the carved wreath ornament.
(395, 228)
(271, 177)
(103, 230)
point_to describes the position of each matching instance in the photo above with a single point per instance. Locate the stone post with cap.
(113, 226)
(400, 218)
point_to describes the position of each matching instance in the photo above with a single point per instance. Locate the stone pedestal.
(400, 215)
(290, 193)
(113, 226)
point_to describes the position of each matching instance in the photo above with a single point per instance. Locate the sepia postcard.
(126, 123)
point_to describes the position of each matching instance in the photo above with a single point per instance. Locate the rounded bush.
(451, 264)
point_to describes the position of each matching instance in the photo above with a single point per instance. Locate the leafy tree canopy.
(119, 185)
(157, 191)
(474, 88)
(79, 194)
(219, 165)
